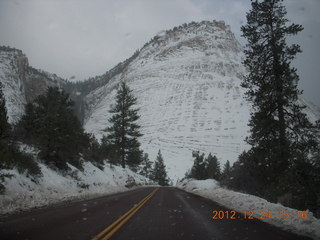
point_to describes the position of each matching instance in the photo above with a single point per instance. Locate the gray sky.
(85, 38)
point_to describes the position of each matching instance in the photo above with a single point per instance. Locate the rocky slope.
(187, 81)
(21, 83)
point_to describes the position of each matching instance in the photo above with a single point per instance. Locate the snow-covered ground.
(244, 202)
(23, 192)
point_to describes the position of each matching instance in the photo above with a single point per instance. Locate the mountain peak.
(195, 27)
(210, 38)
(187, 81)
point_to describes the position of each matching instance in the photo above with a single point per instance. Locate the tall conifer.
(124, 130)
(53, 127)
(198, 170)
(146, 169)
(280, 131)
(159, 173)
(212, 167)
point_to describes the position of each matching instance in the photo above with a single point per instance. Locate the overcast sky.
(85, 38)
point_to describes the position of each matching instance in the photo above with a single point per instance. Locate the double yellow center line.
(115, 226)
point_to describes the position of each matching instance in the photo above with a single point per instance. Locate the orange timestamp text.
(231, 214)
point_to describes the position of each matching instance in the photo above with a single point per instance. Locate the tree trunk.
(283, 148)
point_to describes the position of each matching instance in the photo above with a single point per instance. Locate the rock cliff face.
(21, 83)
(13, 67)
(187, 81)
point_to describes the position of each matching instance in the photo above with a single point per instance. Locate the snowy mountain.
(187, 81)
(21, 83)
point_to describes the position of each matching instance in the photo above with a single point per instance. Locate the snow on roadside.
(244, 202)
(24, 192)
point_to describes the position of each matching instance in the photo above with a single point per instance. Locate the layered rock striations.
(187, 81)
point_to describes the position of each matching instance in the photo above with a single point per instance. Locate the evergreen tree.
(10, 155)
(280, 132)
(146, 169)
(198, 170)
(315, 175)
(109, 151)
(134, 159)
(271, 83)
(226, 173)
(28, 127)
(124, 130)
(56, 130)
(212, 167)
(93, 152)
(159, 173)
(248, 175)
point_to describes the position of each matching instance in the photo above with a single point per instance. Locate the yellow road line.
(123, 219)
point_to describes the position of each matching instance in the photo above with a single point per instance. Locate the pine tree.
(280, 131)
(28, 127)
(271, 83)
(198, 170)
(226, 173)
(212, 167)
(10, 155)
(134, 159)
(249, 176)
(124, 130)
(159, 173)
(109, 151)
(56, 130)
(146, 169)
(93, 152)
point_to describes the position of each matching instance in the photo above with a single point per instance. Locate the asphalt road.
(166, 213)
